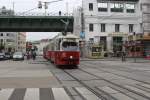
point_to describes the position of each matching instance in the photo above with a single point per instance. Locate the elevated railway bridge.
(36, 22)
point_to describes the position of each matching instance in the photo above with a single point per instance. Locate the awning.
(118, 34)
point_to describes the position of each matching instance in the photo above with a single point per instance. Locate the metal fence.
(38, 14)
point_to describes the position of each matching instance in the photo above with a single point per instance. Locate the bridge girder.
(35, 23)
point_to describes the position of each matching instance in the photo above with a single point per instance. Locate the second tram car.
(63, 50)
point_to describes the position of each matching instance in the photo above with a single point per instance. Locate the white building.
(109, 22)
(8, 41)
(21, 41)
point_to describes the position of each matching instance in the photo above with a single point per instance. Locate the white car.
(18, 56)
(2, 56)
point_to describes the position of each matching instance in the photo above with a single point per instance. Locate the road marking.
(32, 94)
(46, 94)
(18, 94)
(5, 94)
(60, 94)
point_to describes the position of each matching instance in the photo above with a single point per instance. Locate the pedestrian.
(34, 55)
(123, 56)
(28, 56)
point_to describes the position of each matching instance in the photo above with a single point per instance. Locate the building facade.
(11, 41)
(21, 46)
(108, 22)
(8, 41)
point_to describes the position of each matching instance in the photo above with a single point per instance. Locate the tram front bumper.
(71, 60)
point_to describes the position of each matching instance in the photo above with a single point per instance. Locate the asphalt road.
(93, 80)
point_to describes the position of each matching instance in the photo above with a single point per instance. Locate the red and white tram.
(63, 50)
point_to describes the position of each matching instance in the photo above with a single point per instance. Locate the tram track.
(116, 74)
(119, 85)
(103, 95)
(100, 94)
(92, 89)
(135, 92)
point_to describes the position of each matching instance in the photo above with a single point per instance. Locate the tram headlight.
(71, 57)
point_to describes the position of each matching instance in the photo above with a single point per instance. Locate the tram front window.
(70, 46)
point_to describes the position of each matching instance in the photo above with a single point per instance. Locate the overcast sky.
(25, 5)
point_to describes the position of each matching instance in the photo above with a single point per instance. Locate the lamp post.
(134, 39)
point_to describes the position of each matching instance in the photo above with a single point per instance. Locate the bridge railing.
(38, 14)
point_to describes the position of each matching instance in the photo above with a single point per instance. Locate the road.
(93, 80)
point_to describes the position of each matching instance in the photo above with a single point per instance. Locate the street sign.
(82, 35)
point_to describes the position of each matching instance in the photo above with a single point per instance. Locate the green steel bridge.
(36, 22)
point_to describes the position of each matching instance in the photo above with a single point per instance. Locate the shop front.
(117, 41)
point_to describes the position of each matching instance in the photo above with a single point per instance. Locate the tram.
(96, 51)
(63, 50)
(138, 48)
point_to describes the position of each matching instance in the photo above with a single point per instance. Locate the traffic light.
(46, 5)
(59, 13)
(40, 5)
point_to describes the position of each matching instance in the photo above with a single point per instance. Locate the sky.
(25, 5)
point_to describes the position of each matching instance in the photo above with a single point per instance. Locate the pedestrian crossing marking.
(5, 94)
(60, 94)
(32, 94)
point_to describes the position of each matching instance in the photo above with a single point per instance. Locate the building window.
(90, 6)
(103, 41)
(130, 8)
(7, 34)
(103, 28)
(91, 40)
(1, 40)
(1, 34)
(102, 7)
(116, 7)
(131, 28)
(91, 27)
(117, 27)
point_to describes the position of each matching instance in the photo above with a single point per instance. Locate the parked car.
(18, 56)
(8, 55)
(2, 56)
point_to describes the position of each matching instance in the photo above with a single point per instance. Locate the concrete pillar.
(109, 44)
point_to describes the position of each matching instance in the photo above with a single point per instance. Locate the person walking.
(34, 55)
(123, 56)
